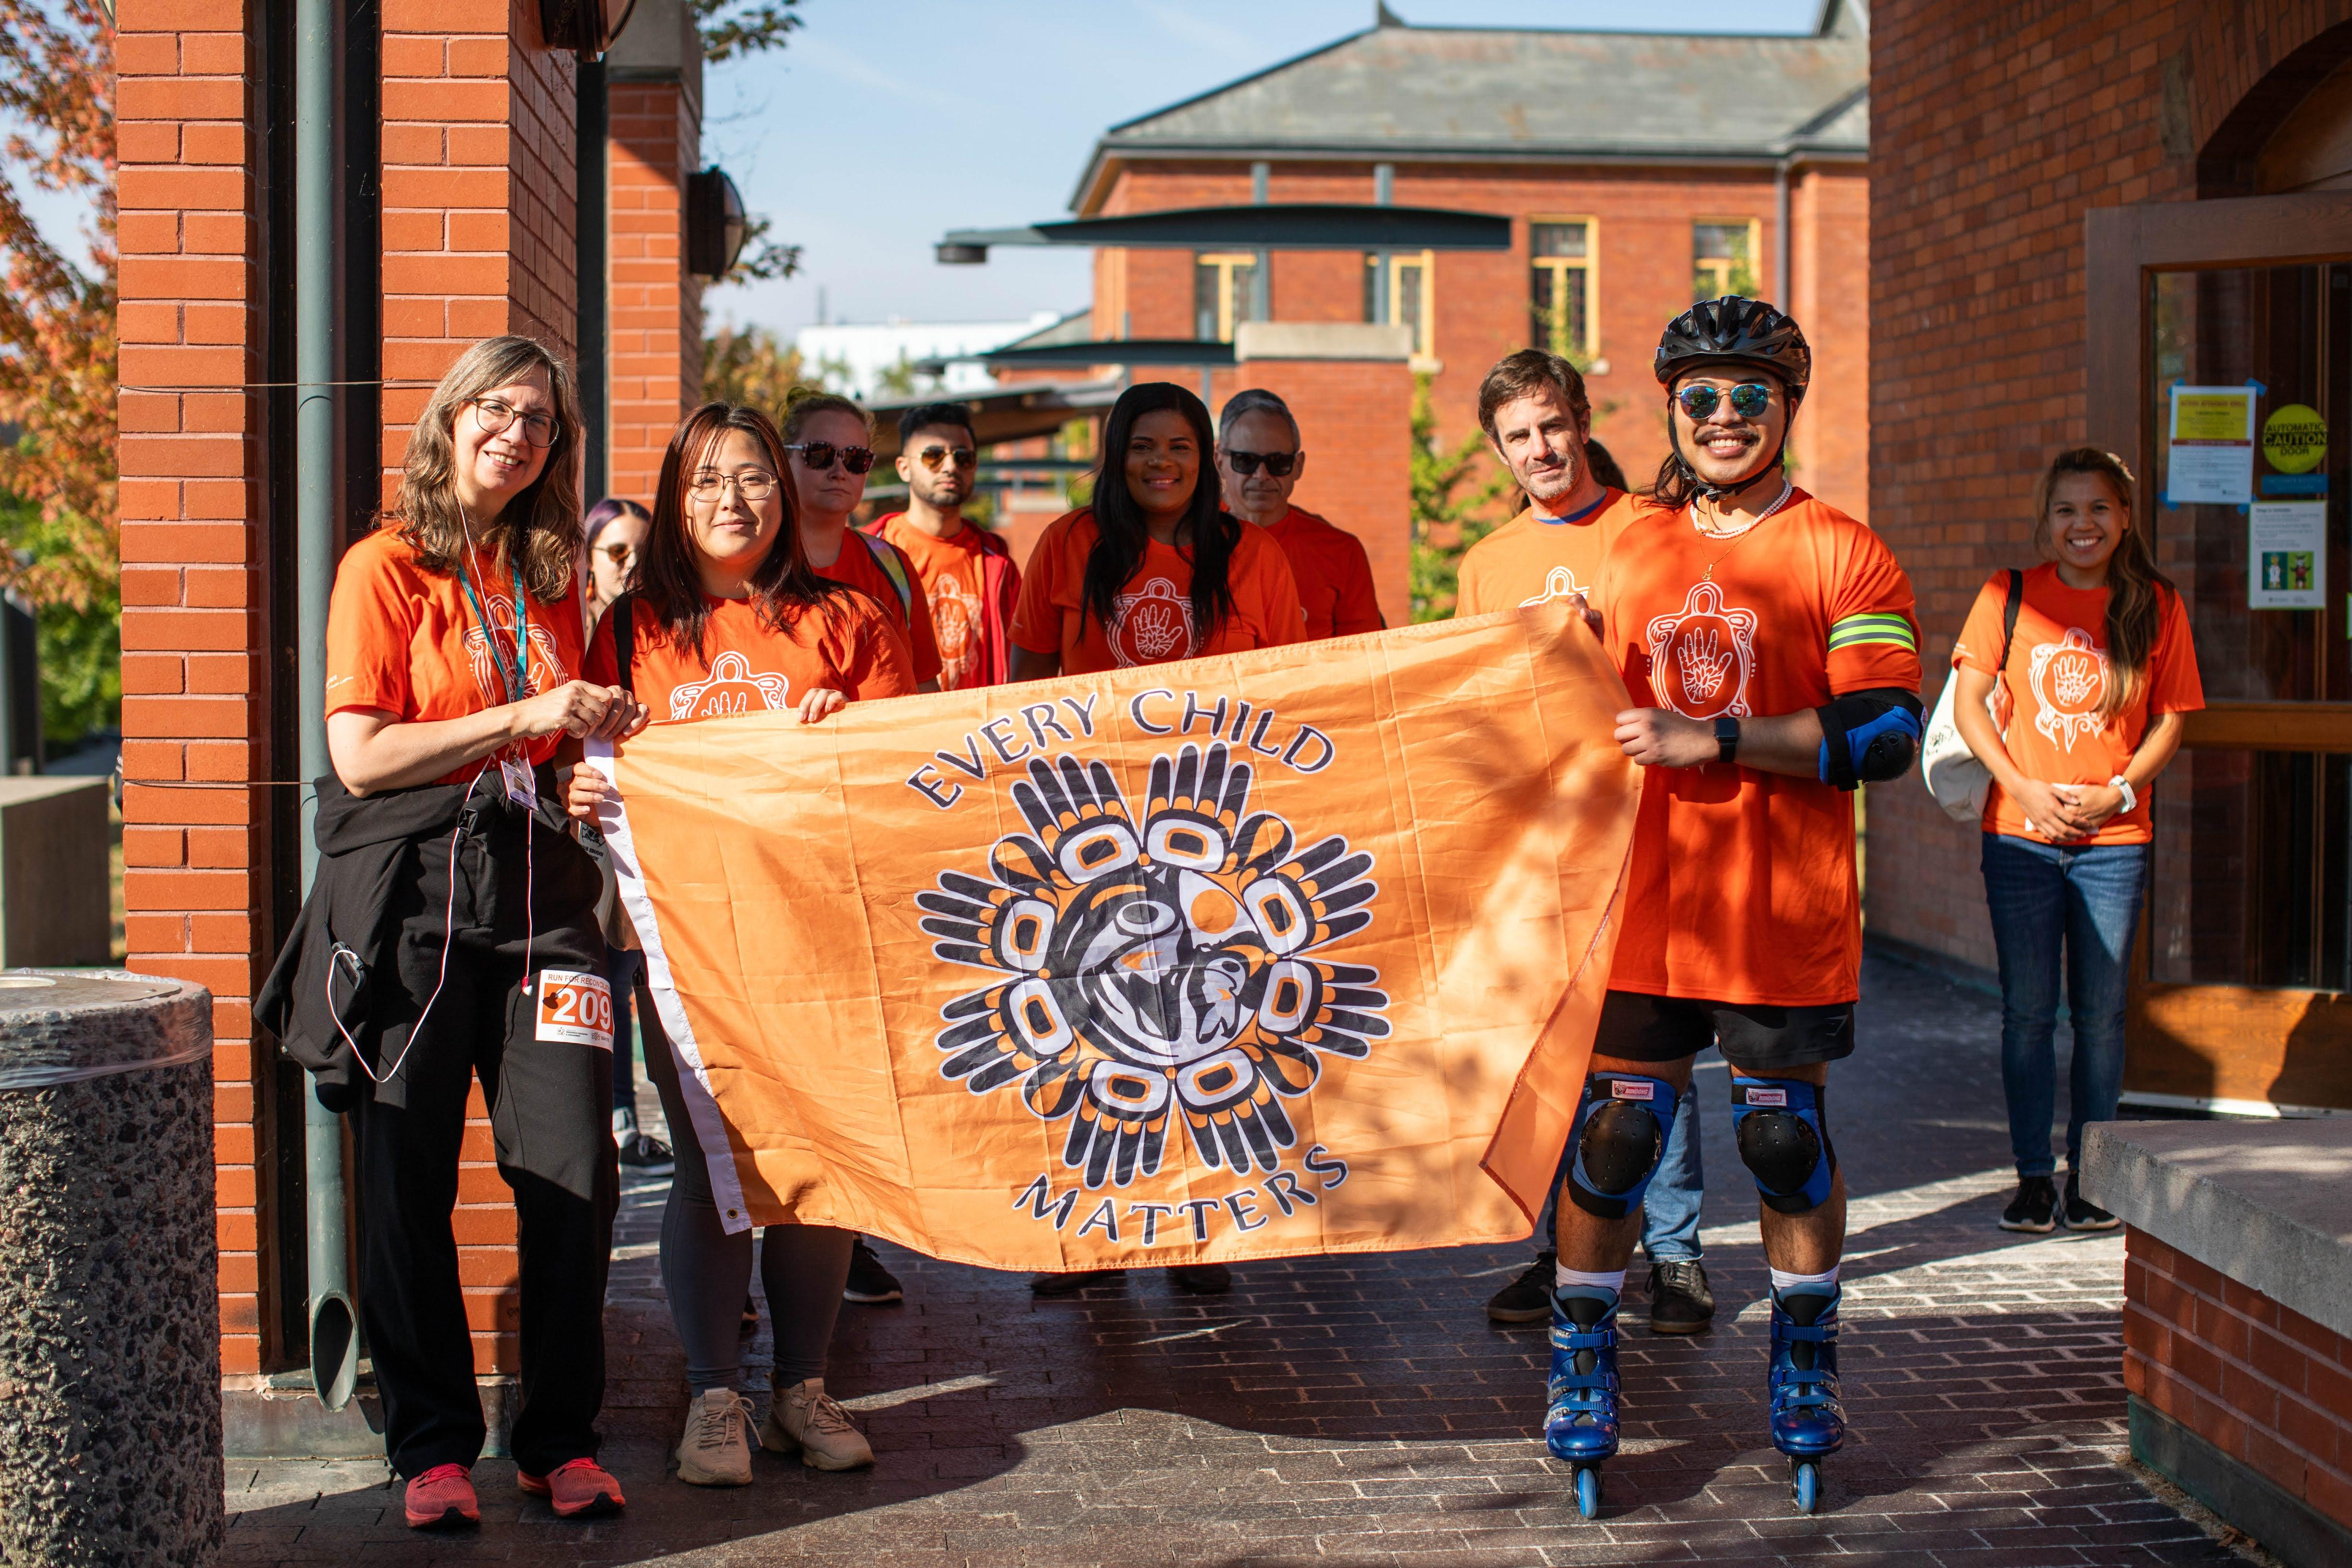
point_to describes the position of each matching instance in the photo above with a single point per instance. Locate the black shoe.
(1052, 1285)
(2083, 1216)
(1680, 1300)
(868, 1281)
(2030, 1210)
(1201, 1279)
(646, 1156)
(1527, 1298)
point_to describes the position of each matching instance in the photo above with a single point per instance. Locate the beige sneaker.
(717, 1449)
(802, 1419)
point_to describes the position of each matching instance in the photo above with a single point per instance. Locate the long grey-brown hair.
(541, 527)
(2136, 589)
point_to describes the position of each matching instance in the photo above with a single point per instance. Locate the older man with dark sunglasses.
(1260, 459)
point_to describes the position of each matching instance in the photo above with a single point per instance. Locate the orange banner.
(1294, 951)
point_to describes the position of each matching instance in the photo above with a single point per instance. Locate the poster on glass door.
(2286, 555)
(2210, 446)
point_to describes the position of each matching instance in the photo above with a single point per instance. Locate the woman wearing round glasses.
(456, 899)
(828, 438)
(728, 616)
(1154, 570)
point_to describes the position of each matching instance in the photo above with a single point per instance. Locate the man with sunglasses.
(1768, 643)
(966, 572)
(1259, 463)
(827, 437)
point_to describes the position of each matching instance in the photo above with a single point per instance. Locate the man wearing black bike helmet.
(1768, 643)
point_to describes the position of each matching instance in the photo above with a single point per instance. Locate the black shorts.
(1756, 1040)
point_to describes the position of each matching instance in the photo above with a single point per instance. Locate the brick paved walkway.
(1363, 1411)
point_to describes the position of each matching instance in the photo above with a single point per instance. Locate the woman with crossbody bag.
(2097, 675)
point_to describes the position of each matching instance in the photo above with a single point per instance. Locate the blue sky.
(885, 122)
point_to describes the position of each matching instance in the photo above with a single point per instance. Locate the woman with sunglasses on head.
(730, 617)
(612, 534)
(454, 900)
(828, 438)
(1154, 569)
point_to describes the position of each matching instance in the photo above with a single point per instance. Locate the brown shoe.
(805, 1420)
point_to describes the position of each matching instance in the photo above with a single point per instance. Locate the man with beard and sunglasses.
(1260, 460)
(966, 572)
(827, 437)
(1768, 643)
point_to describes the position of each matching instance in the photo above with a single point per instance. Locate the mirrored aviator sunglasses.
(818, 456)
(1278, 464)
(1750, 399)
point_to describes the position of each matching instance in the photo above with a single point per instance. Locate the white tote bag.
(1958, 782)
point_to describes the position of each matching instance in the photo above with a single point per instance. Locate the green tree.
(750, 366)
(1445, 521)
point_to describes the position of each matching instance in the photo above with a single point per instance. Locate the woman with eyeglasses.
(457, 899)
(728, 617)
(828, 438)
(1154, 570)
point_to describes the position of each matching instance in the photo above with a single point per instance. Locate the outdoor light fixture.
(714, 223)
(586, 27)
(962, 255)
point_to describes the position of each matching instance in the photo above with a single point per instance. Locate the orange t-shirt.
(855, 565)
(2057, 676)
(849, 644)
(1152, 621)
(950, 572)
(1741, 885)
(1333, 575)
(1533, 558)
(405, 640)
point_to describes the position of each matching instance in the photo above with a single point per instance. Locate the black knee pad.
(1619, 1135)
(1783, 1132)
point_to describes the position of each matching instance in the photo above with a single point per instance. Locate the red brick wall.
(2265, 1385)
(1641, 280)
(656, 363)
(187, 318)
(1994, 128)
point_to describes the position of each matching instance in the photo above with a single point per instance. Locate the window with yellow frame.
(1223, 286)
(1560, 256)
(1723, 257)
(1401, 288)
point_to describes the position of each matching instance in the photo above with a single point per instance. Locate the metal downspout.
(1780, 235)
(318, 493)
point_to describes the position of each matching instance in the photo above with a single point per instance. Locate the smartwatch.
(1726, 738)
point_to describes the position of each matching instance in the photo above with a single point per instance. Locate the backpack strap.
(625, 642)
(894, 566)
(2009, 613)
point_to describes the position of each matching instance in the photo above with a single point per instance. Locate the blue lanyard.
(515, 677)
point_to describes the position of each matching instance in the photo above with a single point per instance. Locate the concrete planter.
(110, 1300)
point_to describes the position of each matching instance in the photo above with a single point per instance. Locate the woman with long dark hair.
(1153, 569)
(2091, 654)
(729, 618)
(451, 900)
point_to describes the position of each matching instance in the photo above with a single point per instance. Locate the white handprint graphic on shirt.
(1703, 667)
(1700, 658)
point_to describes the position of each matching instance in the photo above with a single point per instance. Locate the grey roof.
(1488, 93)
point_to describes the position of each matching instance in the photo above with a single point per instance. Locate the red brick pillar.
(656, 128)
(189, 504)
(1349, 388)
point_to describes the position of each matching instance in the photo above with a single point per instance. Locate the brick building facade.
(1633, 166)
(462, 226)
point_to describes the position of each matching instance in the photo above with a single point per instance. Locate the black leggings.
(708, 1272)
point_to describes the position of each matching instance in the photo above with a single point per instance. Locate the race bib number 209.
(575, 1007)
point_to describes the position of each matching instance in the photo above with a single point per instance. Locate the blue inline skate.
(1581, 1424)
(1808, 1420)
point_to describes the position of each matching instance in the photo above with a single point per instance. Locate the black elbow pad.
(1869, 737)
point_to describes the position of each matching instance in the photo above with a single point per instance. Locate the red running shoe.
(442, 1498)
(575, 1489)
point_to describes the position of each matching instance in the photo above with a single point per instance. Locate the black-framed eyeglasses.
(498, 417)
(751, 484)
(1750, 399)
(818, 456)
(936, 458)
(1278, 464)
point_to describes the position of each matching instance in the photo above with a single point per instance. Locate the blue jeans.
(2045, 898)
(1670, 1207)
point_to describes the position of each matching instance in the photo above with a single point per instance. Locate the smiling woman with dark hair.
(1154, 570)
